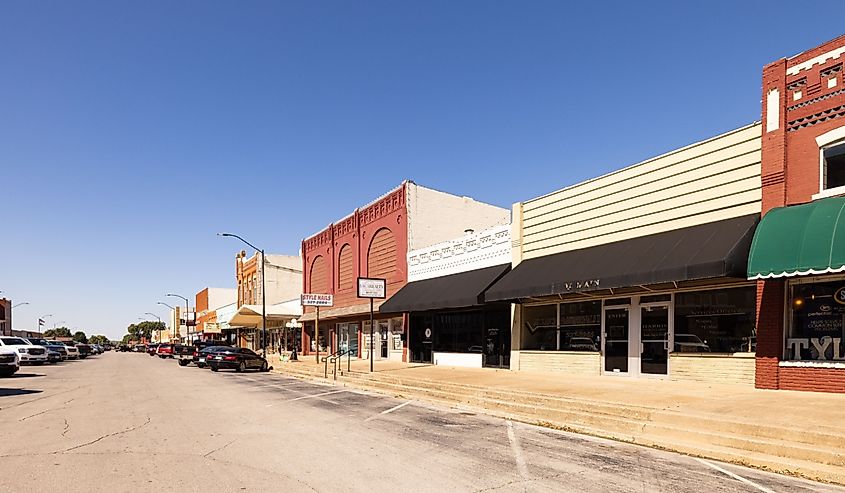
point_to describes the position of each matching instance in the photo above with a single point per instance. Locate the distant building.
(5, 316)
(208, 301)
(283, 283)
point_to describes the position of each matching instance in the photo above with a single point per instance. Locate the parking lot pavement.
(130, 421)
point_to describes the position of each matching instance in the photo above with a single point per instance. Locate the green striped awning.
(799, 240)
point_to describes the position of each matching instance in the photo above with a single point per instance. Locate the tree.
(98, 339)
(144, 329)
(80, 337)
(60, 332)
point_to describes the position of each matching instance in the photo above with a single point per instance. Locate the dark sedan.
(238, 359)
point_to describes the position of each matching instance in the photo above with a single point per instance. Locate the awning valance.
(800, 240)
(465, 289)
(713, 250)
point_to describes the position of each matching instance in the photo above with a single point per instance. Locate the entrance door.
(616, 335)
(654, 337)
(342, 337)
(383, 326)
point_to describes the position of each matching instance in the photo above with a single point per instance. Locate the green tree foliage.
(144, 329)
(80, 337)
(59, 332)
(98, 339)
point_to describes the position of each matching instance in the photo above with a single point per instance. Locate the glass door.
(616, 335)
(654, 337)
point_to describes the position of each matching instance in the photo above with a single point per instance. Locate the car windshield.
(14, 341)
(38, 342)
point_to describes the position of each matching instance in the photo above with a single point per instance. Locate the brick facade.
(803, 98)
(371, 242)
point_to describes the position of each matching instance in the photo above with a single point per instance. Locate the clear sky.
(131, 132)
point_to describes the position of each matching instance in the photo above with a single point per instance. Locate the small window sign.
(369, 287)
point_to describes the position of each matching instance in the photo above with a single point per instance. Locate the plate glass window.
(817, 322)
(715, 321)
(834, 166)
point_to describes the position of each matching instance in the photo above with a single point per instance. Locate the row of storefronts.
(722, 261)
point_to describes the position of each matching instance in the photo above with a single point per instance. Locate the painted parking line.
(516, 448)
(735, 476)
(316, 395)
(388, 411)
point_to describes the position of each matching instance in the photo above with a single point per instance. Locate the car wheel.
(213, 368)
(241, 367)
(200, 365)
(183, 362)
(264, 366)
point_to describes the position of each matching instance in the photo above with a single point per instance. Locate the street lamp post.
(19, 304)
(187, 309)
(263, 293)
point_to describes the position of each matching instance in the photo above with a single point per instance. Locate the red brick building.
(373, 241)
(797, 255)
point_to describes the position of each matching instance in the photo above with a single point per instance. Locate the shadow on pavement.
(10, 392)
(27, 375)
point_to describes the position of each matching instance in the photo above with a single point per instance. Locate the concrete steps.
(817, 454)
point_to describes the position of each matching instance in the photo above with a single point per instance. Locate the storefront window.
(715, 321)
(458, 332)
(816, 324)
(580, 326)
(539, 327)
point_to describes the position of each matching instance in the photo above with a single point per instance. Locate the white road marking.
(735, 476)
(521, 466)
(388, 411)
(316, 395)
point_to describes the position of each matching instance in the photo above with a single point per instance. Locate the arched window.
(381, 256)
(318, 278)
(345, 268)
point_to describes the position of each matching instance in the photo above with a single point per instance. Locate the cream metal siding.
(709, 181)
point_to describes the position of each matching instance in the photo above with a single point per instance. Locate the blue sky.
(131, 132)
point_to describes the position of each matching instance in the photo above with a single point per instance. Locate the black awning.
(454, 291)
(712, 250)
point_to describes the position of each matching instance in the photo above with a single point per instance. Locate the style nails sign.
(311, 299)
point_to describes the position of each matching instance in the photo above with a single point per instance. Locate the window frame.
(825, 141)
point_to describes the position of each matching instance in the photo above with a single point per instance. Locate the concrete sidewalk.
(800, 433)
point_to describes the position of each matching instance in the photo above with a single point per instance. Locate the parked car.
(139, 348)
(84, 350)
(151, 349)
(164, 350)
(195, 352)
(238, 359)
(72, 352)
(59, 348)
(10, 362)
(28, 353)
(52, 347)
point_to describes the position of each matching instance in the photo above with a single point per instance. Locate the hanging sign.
(310, 299)
(369, 287)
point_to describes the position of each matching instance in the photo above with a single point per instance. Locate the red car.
(164, 351)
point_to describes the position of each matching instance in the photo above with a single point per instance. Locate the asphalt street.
(125, 421)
